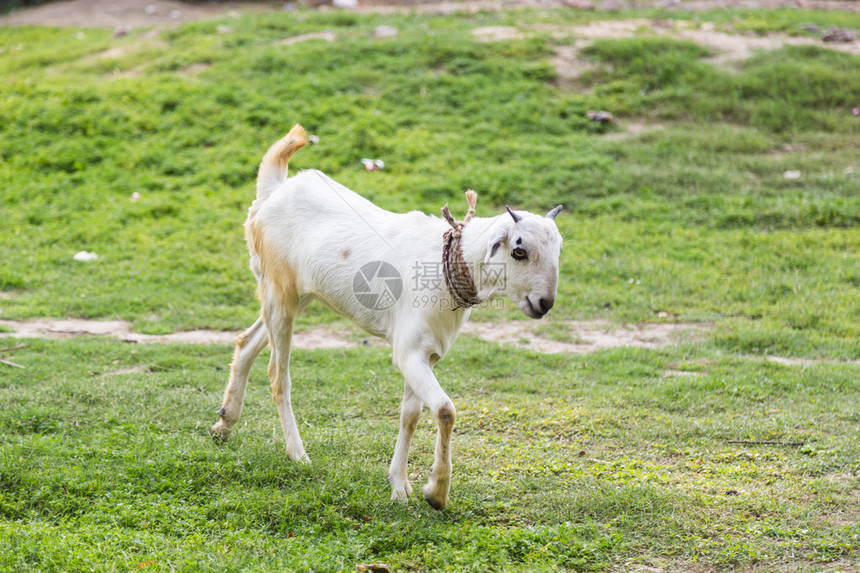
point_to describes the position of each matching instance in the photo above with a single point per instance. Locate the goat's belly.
(372, 321)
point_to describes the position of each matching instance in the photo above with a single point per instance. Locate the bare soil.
(121, 13)
(729, 49)
(154, 13)
(584, 336)
(67, 328)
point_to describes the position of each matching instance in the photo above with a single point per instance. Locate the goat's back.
(323, 234)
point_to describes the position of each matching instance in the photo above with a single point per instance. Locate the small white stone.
(85, 256)
(385, 32)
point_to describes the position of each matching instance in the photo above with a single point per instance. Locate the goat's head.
(529, 247)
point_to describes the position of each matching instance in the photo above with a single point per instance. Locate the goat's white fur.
(308, 236)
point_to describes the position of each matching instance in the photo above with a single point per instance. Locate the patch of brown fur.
(292, 142)
(272, 372)
(277, 286)
(273, 167)
(446, 416)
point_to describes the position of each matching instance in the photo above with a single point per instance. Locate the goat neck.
(476, 237)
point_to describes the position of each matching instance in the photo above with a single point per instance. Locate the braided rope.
(458, 279)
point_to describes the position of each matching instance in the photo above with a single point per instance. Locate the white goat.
(312, 238)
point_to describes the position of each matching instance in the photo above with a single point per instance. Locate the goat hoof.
(219, 432)
(299, 457)
(401, 493)
(434, 499)
(436, 504)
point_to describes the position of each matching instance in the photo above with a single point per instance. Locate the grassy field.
(619, 460)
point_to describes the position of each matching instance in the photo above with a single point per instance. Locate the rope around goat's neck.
(458, 279)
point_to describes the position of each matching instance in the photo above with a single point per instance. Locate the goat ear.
(553, 213)
(515, 217)
(494, 245)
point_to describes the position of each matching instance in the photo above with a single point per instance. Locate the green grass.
(599, 462)
(675, 208)
(562, 462)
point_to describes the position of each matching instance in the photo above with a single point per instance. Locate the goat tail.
(273, 168)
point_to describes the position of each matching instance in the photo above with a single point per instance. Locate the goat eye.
(519, 254)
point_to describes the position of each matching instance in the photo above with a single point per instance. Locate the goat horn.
(515, 217)
(553, 213)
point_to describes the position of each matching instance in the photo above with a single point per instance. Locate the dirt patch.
(497, 33)
(835, 5)
(127, 371)
(148, 42)
(605, 29)
(806, 362)
(60, 329)
(681, 373)
(729, 49)
(569, 65)
(632, 129)
(580, 336)
(327, 36)
(195, 68)
(443, 8)
(584, 336)
(158, 13)
(569, 336)
(119, 13)
(732, 49)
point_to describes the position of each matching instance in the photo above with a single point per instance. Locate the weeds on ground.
(696, 219)
(143, 149)
(579, 463)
